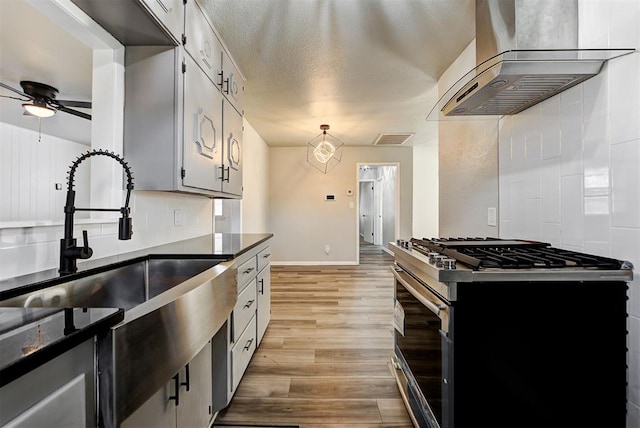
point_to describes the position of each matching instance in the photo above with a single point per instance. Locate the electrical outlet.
(177, 218)
(492, 216)
(327, 248)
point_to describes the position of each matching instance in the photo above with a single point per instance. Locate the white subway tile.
(551, 233)
(596, 96)
(571, 96)
(594, 22)
(598, 248)
(44, 234)
(571, 208)
(550, 190)
(571, 145)
(625, 184)
(518, 209)
(533, 154)
(518, 152)
(505, 229)
(504, 182)
(625, 98)
(13, 237)
(550, 128)
(624, 18)
(534, 216)
(597, 221)
(625, 245)
(596, 157)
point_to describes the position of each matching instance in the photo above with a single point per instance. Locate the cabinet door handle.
(176, 387)
(248, 345)
(261, 285)
(249, 303)
(247, 271)
(226, 81)
(221, 76)
(266, 256)
(228, 174)
(187, 383)
(221, 178)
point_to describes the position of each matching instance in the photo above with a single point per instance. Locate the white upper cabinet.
(232, 83)
(202, 143)
(201, 42)
(169, 13)
(233, 153)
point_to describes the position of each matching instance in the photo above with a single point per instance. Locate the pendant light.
(324, 151)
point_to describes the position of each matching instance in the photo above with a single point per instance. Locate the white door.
(367, 211)
(377, 212)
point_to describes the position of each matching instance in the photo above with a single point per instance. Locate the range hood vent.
(526, 52)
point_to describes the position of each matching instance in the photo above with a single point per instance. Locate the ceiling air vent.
(392, 139)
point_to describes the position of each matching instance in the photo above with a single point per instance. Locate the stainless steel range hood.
(527, 51)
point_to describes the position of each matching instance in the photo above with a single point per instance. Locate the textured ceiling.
(365, 67)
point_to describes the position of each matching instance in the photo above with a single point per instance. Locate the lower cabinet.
(263, 315)
(59, 393)
(235, 345)
(185, 401)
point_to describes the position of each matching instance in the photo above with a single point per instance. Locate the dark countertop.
(29, 337)
(218, 245)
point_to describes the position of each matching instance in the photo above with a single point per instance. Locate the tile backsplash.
(569, 166)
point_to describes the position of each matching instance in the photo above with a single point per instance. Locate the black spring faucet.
(69, 251)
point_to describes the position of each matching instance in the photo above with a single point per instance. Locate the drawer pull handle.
(266, 256)
(248, 345)
(249, 303)
(248, 271)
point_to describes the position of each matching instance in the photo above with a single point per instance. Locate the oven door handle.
(432, 306)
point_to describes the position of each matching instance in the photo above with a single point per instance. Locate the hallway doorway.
(378, 205)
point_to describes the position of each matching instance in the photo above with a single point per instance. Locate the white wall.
(570, 166)
(30, 166)
(468, 165)
(255, 181)
(303, 222)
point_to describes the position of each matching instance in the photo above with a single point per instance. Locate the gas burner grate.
(511, 254)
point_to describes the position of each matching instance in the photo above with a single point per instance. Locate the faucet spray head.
(125, 229)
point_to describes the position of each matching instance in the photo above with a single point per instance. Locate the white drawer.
(241, 353)
(264, 258)
(246, 272)
(245, 309)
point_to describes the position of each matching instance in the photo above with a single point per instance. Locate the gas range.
(442, 263)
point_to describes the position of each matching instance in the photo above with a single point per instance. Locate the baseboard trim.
(315, 263)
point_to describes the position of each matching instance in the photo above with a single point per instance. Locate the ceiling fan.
(43, 101)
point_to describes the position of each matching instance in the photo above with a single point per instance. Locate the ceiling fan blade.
(74, 112)
(71, 103)
(15, 90)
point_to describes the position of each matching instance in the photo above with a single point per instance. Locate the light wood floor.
(324, 360)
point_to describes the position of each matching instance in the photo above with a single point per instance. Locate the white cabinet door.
(232, 83)
(63, 408)
(184, 402)
(233, 155)
(264, 301)
(201, 42)
(157, 411)
(202, 144)
(170, 13)
(241, 353)
(195, 409)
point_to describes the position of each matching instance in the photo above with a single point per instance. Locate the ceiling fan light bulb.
(324, 151)
(38, 110)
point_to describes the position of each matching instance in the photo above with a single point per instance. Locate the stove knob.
(432, 257)
(449, 264)
(440, 261)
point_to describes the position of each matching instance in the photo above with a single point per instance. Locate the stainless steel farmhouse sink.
(173, 307)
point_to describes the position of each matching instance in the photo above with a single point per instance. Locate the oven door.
(423, 350)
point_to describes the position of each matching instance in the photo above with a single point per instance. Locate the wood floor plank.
(324, 359)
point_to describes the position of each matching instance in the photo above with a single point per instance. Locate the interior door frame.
(396, 231)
